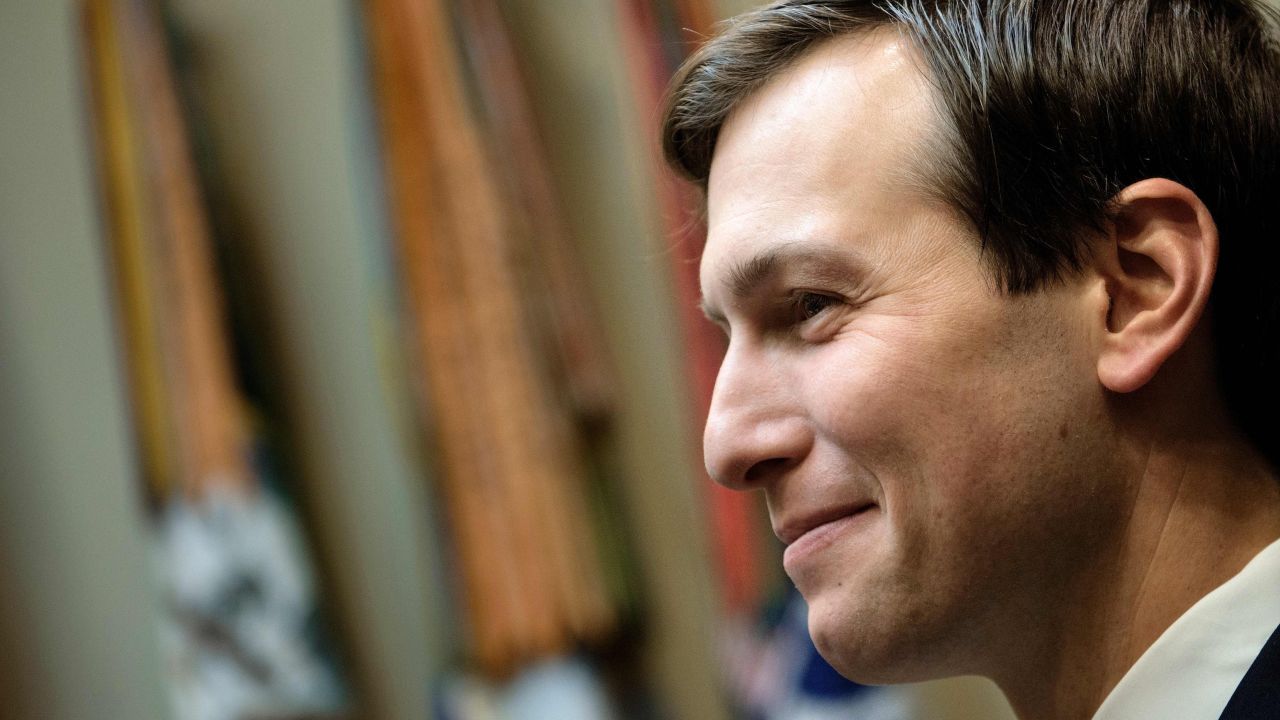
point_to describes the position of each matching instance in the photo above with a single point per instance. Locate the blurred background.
(350, 367)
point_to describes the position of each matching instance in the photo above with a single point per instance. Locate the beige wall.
(603, 175)
(76, 637)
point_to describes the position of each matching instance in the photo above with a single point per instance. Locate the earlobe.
(1158, 262)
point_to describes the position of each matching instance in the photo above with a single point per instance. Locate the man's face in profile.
(929, 445)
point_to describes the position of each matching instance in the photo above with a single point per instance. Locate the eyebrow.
(745, 277)
(821, 263)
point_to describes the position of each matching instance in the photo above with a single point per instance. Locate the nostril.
(764, 470)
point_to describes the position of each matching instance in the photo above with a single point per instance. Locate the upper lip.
(791, 528)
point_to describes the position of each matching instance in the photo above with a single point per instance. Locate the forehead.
(825, 149)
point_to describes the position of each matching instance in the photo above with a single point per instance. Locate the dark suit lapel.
(1258, 695)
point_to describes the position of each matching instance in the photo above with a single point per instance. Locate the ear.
(1158, 264)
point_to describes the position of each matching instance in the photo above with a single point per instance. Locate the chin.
(864, 648)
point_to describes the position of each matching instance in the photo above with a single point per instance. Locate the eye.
(809, 305)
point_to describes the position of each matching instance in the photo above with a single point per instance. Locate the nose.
(756, 429)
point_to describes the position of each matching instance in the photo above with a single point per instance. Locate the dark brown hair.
(1049, 108)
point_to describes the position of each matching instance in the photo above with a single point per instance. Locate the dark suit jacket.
(1258, 696)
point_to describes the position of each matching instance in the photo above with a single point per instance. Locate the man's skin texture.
(1030, 488)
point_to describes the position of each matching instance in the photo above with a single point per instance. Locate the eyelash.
(801, 299)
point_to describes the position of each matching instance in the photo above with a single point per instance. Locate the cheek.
(909, 416)
(904, 404)
(961, 438)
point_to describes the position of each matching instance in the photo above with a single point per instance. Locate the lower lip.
(822, 537)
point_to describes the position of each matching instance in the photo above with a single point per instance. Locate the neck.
(1199, 510)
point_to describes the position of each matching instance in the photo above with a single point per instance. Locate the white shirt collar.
(1193, 669)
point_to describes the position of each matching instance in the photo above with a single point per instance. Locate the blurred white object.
(239, 638)
(557, 689)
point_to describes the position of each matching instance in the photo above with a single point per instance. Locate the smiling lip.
(792, 530)
(806, 537)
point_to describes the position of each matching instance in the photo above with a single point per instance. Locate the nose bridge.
(754, 427)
